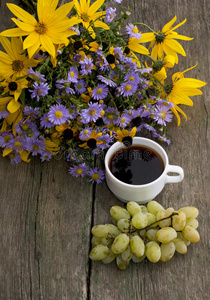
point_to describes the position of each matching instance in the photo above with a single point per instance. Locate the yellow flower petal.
(13, 32)
(47, 44)
(147, 37)
(7, 151)
(13, 106)
(175, 46)
(101, 24)
(95, 6)
(32, 38)
(169, 24)
(23, 26)
(21, 14)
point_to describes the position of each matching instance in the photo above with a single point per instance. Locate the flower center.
(122, 120)
(40, 28)
(91, 143)
(39, 91)
(85, 132)
(85, 17)
(24, 127)
(87, 67)
(128, 87)
(99, 91)
(135, 30)
(35, 147)
(92, 112)
(71, 74)
(13, 86)
(168, 88)
(79, 171)
(131, 78)
(18, 144)
(7, 138)
(160, 37)
(17, 65)
(162, 114)
(12, 155)
(58, 114)
(127, 141)
(79, 86)
(110, 117)
(95, 176)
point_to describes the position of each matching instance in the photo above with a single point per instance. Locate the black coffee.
(136, 165)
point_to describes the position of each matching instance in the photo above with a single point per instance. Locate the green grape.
(122, 265)
(143, 233)
(151, 234)
(118, 213)
(95, 241)
(180, 236)
(151, 219)
(191, 234)
(167, 251)
(99, 252)
(133, 208)
(180, 246)
(193, 223)
(190, 212)
(179, 221)
(137, 246)
(152, 251)
(100, 231)
(161, 215)
(143, 209)
(109, 258)
(154, 207)
(124, 225)
(113, 231)
(166, 235)
(106, 240)
(127, 254)
(138, 259)
(120, 243)
(139, 220)
(168, 212)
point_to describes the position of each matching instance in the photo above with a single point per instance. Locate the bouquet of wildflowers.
(73, 80)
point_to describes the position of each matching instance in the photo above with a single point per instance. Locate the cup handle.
(175, 178)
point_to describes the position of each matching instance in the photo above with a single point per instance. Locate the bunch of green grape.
(140, 232)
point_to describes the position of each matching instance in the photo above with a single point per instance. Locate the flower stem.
(173, 214)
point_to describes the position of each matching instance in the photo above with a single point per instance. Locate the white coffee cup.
(145, 192)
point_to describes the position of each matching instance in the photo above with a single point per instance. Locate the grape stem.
(173, 214)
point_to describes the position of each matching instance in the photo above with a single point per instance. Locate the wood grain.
(46, 215)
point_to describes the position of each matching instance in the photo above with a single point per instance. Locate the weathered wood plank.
(185, 276)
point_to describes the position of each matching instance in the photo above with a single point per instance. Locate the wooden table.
(46, 215)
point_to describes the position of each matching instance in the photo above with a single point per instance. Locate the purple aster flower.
(32, 112)
(145, 70)
(100, 92)
(27, 129)
(85, 133)
(80, 86)
(45, 156)
(40, 56)
(143, 83)
(3, 111)
(36, 146)
(105, 140)
(96, 175)
(17, 143)
(107, 81)
(110, 14)
(118, 52)
(14, 157)
(165, 102)
(132, 76)
(5, 138)
(117, 1)
(75, 29)
(45, 122)
(161, 138)
(102, 63)
(58, 114)
(62, 84)
(163, 115)
(80, 170)
(129, 64)
(36, 75)
(86, 66)
(73, 74)
(124, 120)
(39, 90)
(127, 88)
(111, 116)
(92, 113)
(133, 31)
(77, 58)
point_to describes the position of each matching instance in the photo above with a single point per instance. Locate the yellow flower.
(52, 26)
(92, 141)
(164, 41)
(125, 136)
(14, 61)
(180, 89)
(87, 14)
(14, 86)
(52, 145)
(134, 45)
